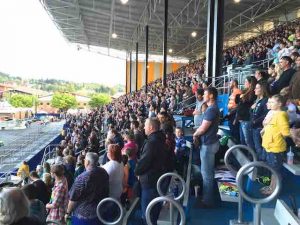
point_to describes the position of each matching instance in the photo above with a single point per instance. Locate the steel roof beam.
(98, 11)
(238, 21)
(112, 15)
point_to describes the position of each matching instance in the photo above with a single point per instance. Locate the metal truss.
(244, 20)
(92, 22)
(188, 18)
(72, 22)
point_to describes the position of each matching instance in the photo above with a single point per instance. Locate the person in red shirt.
(195, 86)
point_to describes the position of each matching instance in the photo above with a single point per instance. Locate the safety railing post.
(176, 198)
(258, 202)
(240, 220)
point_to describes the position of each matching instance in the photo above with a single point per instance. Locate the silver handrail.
(48, 151)
(189, 98)
(188, 176)
(257, 201)
(240, 198)
(165, 199)
(117, 203)
(134, 204)
(171, 175)
(175, 198)
(230, 150)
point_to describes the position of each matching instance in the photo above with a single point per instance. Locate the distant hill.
(7, 78)
(53, 85)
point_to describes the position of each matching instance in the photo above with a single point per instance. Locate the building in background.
(44, 103)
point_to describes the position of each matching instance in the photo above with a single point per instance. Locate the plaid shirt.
(59, 199)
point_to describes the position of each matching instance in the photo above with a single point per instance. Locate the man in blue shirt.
(88, 190)
(207, 133)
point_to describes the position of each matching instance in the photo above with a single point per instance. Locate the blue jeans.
(246, 134)
(207, 155)
(275, 160)
(234, 128)
(147, 195)
(260, 152)
(77, 221)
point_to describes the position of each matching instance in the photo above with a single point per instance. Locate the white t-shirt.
(115, 171)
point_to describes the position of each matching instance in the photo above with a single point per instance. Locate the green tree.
(22, 101)
(98, 100)
(63, 101)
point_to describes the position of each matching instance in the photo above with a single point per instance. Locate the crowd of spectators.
(139, 135)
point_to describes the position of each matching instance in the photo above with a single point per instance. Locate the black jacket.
(151, 164)
(28, 221)
(282, 82)
(244, 106)
(259, 113)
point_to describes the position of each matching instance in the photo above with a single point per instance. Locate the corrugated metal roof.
(92, 22)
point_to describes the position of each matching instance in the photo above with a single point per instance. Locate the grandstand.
(250, 45)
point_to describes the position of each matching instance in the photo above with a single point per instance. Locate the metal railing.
(172, 203)
(7, 177)
(258, 202)
(188, 175)
(239, 73)
(114, 201)
(241, 158)
(49, 152)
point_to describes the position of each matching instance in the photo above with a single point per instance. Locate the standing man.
(207, 132)
(200, 108)
(88, 190)
(151, 166)
(286, 76)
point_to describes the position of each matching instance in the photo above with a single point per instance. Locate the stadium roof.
(93, 22)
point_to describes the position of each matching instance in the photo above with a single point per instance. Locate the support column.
(218, 38)
(130, 71)
(147, 54)
(126, 76)
(165, 43)
(136, 65)
(210, 39)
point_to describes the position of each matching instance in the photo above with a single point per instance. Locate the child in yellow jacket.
(23, 170)
(276, 128)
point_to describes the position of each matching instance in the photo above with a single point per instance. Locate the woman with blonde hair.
(276, 129)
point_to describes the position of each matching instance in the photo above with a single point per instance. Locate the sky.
(32, 47)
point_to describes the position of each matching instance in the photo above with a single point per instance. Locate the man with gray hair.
(88, 190)
(14, 208)
(151, 165)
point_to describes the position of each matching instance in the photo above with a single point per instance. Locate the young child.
(180, 152)
(276, 128)
(23, 170)
(130, 167)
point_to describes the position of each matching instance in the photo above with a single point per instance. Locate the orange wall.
(153, 72)
(175, 66)
(150, 72)
(161, 70)
(140, 74)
